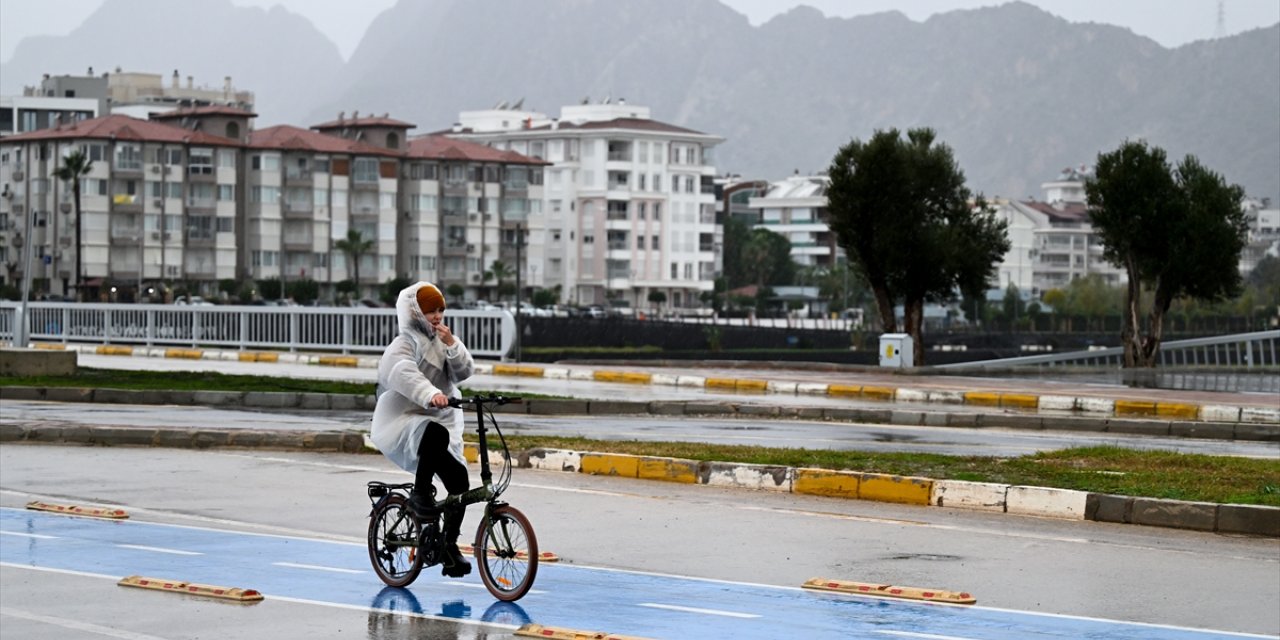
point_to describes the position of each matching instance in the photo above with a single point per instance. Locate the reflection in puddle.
(397, 614)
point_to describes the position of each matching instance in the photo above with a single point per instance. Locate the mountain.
(1017, 92)
(278, 55)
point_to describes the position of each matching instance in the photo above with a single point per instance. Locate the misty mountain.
(1017, 92)
(277, 54)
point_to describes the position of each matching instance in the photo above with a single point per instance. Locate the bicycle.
(505, 549)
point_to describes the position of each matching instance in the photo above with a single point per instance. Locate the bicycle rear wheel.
(393, 542)
(507, 553)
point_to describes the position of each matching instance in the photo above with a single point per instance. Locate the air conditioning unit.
(65, 241)
(158, 202)
(18, 208)
(475, 277)
(472, 217)
(155, 168)
(155, 235)
(57, 255)
(18, 175)
(471, 248)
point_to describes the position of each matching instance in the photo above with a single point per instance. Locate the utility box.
(897, 350)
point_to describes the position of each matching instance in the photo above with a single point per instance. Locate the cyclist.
(413, 424)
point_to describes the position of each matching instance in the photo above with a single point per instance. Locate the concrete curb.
(878, 487)
(1120, 408)
(1000, 418)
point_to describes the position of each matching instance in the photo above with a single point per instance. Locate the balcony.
(297, 177)
(201, 237)
(202, 205)
(302, 208)
(298, 241)
(125, 233)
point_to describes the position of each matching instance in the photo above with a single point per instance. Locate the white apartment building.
(139, 94)
(20, 114)
(628, 205)
(1052, 242)
(796, 209)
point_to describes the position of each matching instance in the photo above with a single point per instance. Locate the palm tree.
(355, 246)
(75, 165)
(499, 271)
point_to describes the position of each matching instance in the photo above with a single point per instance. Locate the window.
(227, 158)
(640, 210)
(675, 184)
(644, 157)
(639, 241)
(201, 162)
(675, 271)
(640, 184)
(94, 152)
(322, 164)
(265, 162)
(226, 225)
(226, 192)
(657, 211)
(366, 170)
(128, 157)
(655, 244)
(588, 239)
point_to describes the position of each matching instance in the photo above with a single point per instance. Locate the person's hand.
(445, 335)
(440, 400)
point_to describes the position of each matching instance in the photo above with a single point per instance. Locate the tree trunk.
(1155, 327)
(913, 321)
(884, 303)
(1130, 331)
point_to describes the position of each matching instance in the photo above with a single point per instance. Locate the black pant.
(434, 459)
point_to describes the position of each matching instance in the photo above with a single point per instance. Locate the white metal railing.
(1241, 350)
(489, 334)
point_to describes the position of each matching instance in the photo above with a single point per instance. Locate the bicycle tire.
(393, 538)
(506, 553)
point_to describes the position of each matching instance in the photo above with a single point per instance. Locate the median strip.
(77, 510)
(890, 591)
(190, 588)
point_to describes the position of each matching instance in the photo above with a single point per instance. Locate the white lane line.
(29, 535)
(76, 625)
(710, 612)
(176, 552)
(928, 636)
(294, 565)
(472, 585)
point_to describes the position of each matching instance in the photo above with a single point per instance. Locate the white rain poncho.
(415, 367)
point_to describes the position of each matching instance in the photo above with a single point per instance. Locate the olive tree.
(901, 212)
(1178, 231)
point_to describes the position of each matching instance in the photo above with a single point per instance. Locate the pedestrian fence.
(489, 333)
(1256, 349)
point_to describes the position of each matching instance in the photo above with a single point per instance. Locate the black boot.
(455, 564)
(422, 504)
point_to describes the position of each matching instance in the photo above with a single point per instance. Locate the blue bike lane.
(584, 598)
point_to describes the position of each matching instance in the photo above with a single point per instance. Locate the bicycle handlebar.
(490, 399)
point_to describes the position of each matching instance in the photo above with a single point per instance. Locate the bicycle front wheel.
(507, 553)
(393, 542)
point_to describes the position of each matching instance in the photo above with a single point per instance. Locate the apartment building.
(157, 205)
(796, 209)
(1051, 242)
(195, 195)
(629, 202)
(20, 114)
(140, 94)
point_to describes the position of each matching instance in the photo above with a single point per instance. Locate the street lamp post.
(20, 332)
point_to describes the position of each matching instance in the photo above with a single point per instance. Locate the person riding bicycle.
(413, 424)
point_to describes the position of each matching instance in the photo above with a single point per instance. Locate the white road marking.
(912, 634)
(29, 535)
(176, 552)
(710, 612)
(86, 627)
(295, 565)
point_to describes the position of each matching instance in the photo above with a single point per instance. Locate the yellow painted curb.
(1177, 410)
(517, 370)
(878, 393)
(611, 464)
(338, 361)
(185, 354)
(883, 487)
(191, 588)
(982, 398)
(1019, 400)
(114, 350)
(721, 383)
(471, 451)
(76, 510)
(254, 356)
(753, 385)
(1135, 408)
(824, 482)
(532, 630)
(853, 390)
(622, 376)
(890, 591)
(668, 470)
(50, 347)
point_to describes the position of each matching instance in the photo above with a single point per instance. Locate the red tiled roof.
(438, 147)
(298, 139)
(1070, 211)
(122, 127)
(210, 110)
(368, 121)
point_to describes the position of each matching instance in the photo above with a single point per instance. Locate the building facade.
(796, 209)
(629, 205)
(196, 196)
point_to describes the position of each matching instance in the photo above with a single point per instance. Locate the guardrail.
(489, 334)
(1257, 349)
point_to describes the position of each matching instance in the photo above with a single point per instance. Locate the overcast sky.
(1169, 22)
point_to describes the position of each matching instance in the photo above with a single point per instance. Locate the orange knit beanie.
(430, 298)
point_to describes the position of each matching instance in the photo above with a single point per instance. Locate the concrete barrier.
(36, 362)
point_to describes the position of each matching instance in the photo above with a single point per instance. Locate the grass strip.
(1102, 469)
